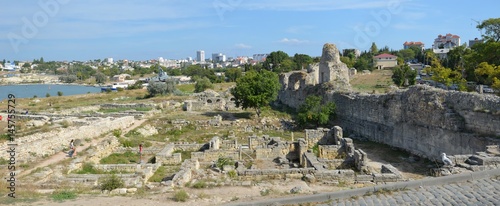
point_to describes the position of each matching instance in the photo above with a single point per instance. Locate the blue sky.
(175, 29)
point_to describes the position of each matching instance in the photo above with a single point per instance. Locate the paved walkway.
(473, 188)
(476, 192)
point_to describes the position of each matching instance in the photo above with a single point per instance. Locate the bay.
(40, 90)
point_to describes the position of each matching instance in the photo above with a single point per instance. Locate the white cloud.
(242, 46)
(292, 41)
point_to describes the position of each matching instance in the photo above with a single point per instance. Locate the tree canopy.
(313, 111)
(256, 89)
(404, 76)
(492, 29)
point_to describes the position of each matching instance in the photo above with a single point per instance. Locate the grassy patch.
(181, 196)
(63, 195)
(186, 88)
(111, 182)
(121, 158)
(184, 154)
(162, 172)
(88, 168)
(377, 80)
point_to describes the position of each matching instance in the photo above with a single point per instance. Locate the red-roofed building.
(407, 45)
(383, 61)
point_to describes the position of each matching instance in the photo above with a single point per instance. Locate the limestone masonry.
(422, 120)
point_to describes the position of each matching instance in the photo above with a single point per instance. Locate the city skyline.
(174, 29)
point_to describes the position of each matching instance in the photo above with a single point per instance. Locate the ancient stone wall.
(422, 120)
(31, 147)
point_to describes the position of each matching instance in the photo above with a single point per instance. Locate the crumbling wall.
(31, 147)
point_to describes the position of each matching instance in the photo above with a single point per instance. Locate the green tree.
(59, 93)
(203, 84)
(486, 73)
(313, 111)
(302, 60)
(233, 74)
(373, 49)
(492, 29)
(404, 75)
(348, 61)
(256, 90)
(159, 88)
(47, 95)
(407, 54)
(100, 78)
(275, 60)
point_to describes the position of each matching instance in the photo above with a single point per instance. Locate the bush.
(203, 84)
(158, 88)
(232, 174)
(68, 79)
(59, 93)
(200, 185)
(224, 161)
(181, 196)
(111, 182)
(47, 95)
(117, 132)
(63, 195)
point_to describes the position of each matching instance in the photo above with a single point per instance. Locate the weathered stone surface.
(332, 70)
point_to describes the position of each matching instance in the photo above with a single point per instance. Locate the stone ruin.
(487, 160)
(330, 72)
(210, 100)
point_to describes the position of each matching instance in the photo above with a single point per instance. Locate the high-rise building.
(218, 57)
(200, 56)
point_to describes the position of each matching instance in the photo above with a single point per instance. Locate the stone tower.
(332, 70)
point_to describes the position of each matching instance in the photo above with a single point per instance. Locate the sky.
(68, 30)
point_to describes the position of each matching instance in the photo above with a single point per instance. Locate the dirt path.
(63, 155)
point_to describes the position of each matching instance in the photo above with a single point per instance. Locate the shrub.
(224, 161)
(158, 88)
(111, 182)
(232, 174)
(119, 89)
(63, 195)
(59, 93)
(203, 84)
(200, 184)
(181, 196)
(47, 95)
(117, 132)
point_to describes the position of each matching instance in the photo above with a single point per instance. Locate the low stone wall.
(185, 173)
(131, 106)
(166, 155)
(148, 151)
(129, 168)
(130, 180)
(213, 155)
(31, 147)
(294, 173)
(103, 149)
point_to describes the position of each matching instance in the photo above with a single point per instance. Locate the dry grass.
(377, 80)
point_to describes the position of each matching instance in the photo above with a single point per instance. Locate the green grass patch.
(121, 158)
(186, 88)
(181, 196)
(63, 195)
(184, 154)
(88, 168)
